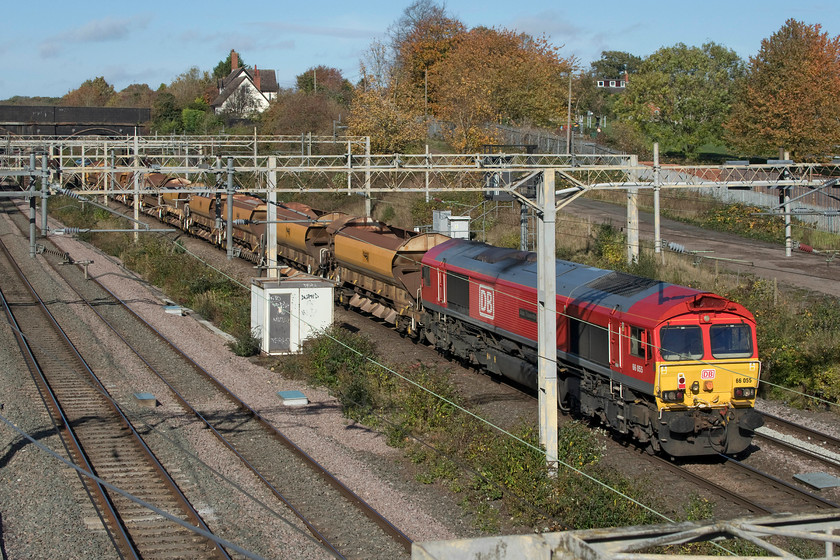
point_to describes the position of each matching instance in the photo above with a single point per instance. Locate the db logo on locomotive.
(707, 374)
(486, 303)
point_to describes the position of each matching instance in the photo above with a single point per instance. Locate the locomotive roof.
(583, 285)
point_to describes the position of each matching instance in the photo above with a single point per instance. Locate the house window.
(623, 83)
(612, 83)
(600, 83)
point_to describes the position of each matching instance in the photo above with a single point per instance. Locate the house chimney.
(234, 60)
(257, 78)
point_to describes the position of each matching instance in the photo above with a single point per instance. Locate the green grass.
(501, 481)
(165, 264)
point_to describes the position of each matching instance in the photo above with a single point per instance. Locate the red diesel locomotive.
(671, 366)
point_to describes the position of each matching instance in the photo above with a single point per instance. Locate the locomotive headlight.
(673, 396)
(743, 393)
(695, 387)
(708, 385)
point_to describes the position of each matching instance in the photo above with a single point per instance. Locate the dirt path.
(803, 270)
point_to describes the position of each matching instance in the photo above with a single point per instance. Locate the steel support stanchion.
(547, 318)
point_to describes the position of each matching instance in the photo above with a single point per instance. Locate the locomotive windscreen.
(731, 341)
(681, 343)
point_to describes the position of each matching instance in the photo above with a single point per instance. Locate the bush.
(337, 352)
(610, 247)
(246, 343)
(799, 344)
(744, 220)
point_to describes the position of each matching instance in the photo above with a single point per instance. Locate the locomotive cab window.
(638, 343)
(731, 341)
(681, 343)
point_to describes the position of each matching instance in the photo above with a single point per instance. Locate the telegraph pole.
(136, 187)
(657, 186)
(368, 208)
(45, 187)
(569, 118)
(633, 215)
(32, 205)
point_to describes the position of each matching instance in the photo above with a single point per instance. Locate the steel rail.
(346, 492)
(799, 492)
(122, 543)
(831, 440)
(792, 447)
(123, 536)
(185, 403)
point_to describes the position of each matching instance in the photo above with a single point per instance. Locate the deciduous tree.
(192, 84)
(296, 112)
(393, 127)
(92, 93)
(614, 64)
(789, 96)
(681, 96)
(493, 76)
(135, 95)
(327, 81)
(427, 43)
(166, 115)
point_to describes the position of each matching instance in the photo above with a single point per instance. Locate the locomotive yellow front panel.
(714, 384)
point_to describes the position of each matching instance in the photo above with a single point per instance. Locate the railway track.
(775, 494)
(344, 523)
(747, 488)
(98, 436)
(768, 492)
(804, 441)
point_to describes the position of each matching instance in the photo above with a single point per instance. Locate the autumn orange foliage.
(789, 97)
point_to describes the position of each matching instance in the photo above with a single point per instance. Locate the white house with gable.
(245, 91)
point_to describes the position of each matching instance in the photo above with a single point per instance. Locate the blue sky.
(51, 47)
